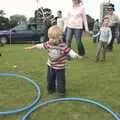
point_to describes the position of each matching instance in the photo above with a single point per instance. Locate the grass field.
(85, 78)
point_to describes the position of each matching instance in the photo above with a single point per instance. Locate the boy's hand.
(87, 31)
(80, 57)
(27, 48)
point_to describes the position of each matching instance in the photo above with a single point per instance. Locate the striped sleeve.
(66, 50)
(40, 46)
(46, 45)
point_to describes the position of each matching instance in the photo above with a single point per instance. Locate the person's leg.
(64, 35)
(110, 46)
(51, 79)
(60, 76)
(78, 34)
(103, 51)
(98, 51)
(105, 48)
(94, 38)
(69, 36)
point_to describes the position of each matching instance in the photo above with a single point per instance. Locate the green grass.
(85, 78)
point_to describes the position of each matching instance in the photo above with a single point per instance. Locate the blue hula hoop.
(28, 106)
(27, 115)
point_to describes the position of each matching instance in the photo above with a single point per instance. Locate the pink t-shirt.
(77, 18)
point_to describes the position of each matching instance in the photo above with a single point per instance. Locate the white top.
(77, 18)
(60, 23)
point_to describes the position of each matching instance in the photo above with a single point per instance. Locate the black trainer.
(61, 95)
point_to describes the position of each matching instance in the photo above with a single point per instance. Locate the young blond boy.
(57, 57)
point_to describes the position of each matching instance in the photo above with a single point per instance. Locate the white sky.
(27, 7)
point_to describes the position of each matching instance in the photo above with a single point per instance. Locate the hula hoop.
(28, 106)
(69, 99)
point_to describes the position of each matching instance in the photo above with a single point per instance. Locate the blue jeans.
(56, 80)
(78, 34)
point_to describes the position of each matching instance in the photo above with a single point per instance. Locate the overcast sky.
(27, 7)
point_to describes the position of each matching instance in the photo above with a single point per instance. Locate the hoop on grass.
(26, 117)
(28, 106)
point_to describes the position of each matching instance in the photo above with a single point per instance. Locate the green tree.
(18, 18)
(31, 20)
(44, 15)
(2, 13)
(4, 23)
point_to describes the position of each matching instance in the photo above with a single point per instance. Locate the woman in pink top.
(76, 20)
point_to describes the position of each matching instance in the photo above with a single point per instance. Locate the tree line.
(41, 15)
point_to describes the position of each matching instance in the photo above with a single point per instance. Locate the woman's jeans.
(78, 33)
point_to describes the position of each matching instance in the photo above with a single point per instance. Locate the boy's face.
(54, 41)
(106, 21)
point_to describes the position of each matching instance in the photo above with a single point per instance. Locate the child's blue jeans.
(56, 80)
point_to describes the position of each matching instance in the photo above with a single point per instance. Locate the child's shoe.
(80, 57)
(61, 95)
(102, 60)
(51, 91)
(96, 59)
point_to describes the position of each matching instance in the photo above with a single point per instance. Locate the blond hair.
(55, 32)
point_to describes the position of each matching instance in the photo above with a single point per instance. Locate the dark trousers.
(64, 35)
(78, 33)
(56, 80)
(110, 46)
(95, 39)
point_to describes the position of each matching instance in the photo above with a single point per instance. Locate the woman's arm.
(85, 20)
